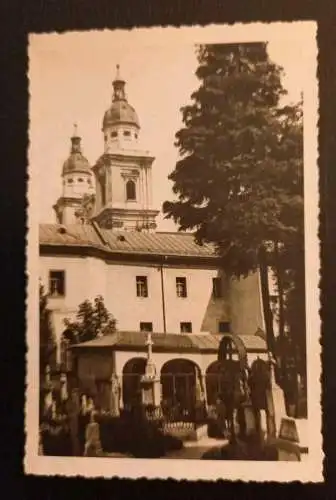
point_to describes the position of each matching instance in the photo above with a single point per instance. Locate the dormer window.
(127, 133)
(80, 179)
(114, 134)
(130, 190)
(70, 181)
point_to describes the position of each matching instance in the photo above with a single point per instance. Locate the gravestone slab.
(93, 446)
(295, 431)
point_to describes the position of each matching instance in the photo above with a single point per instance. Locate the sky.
(70, 80)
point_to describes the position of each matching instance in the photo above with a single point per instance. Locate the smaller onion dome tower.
(77, 183)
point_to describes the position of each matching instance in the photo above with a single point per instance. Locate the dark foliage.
(56, 438)
(93, 320)
(131, 434)
(238, 450)
(239, 179)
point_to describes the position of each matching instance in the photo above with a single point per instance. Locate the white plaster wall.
(95, 365)
(77, 286)
(122, 300)
(198, 307)
(87, 277)
(77, 188)
(118, 182)
(245, 299)
(120, 141)
(68, 214)
(96, 278)
(202, 361)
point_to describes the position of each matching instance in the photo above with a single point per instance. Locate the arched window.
(130, 190)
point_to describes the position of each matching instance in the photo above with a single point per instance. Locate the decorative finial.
(117, 77)
(118, 86)
(75, 140)
(75, 130)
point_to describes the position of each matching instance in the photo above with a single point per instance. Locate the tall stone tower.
(77, 183)
(124, 172)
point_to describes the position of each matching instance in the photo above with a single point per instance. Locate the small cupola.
(76, 162)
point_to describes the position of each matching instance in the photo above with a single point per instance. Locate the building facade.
(104, 242)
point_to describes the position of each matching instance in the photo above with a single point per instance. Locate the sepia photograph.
(173, 254)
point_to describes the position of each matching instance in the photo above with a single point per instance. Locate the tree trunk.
(265, 295)
(268, 317)
(279, 275)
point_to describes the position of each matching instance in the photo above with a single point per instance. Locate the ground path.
(195, 449)
(191, 449)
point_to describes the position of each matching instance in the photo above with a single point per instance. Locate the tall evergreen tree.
(239, 177)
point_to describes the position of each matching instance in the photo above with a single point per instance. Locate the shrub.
(56, 438)
(135, 435)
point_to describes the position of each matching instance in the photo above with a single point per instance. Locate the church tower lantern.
(124, 172)
(77, 182)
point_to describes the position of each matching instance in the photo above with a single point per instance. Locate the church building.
(105, 242)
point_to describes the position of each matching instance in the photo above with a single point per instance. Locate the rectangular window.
(186, 327)
(224, 327)
(181, 287)
(216, 288)
(141, 286)
(146, 326)
(57, 283)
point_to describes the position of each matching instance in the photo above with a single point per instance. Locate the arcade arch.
(133, 370)
(181, 383)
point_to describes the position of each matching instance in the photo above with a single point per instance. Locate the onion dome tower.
(120, 123)
(124, 172)
(77, 183)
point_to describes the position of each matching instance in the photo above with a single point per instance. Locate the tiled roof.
(253, 342)
(127, 242)
(170, 342)
(70, 235)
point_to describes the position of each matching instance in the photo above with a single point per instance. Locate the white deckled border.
(309, 470)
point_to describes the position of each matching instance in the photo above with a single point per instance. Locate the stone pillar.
(73, 410)
(115, 396)
(204, 390)
(93, 446)
(47, 400)
(249, 419)
(150, 390)
(121, 400)
(264, 424)
(83, 404)
(156, 392)
(64, 386)
(53, 410)
(40, 445)
(278, 400)
(150, 382)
